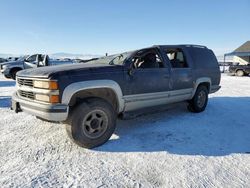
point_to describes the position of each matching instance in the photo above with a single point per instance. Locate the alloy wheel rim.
(201, 99)
(95, 124)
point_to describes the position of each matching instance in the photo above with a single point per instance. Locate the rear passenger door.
(181, 70)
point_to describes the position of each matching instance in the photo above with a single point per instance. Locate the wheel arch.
(108, 90)
(14, 69)
(239, 69)
(202, 81)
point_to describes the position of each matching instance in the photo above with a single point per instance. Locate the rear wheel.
(92, 123)
(240, 73)
(199, 102)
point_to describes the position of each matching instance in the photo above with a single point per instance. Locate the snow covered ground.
(174, 148)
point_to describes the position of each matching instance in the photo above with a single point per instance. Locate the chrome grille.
(26, 94)
(25, 82)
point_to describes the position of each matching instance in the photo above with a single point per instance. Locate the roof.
(182, 45)
(243, 50)
(244, 47)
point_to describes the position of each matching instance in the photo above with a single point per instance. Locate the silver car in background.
(9, 69)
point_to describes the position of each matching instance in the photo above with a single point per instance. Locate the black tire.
(8, 77)
(240, 73)
(87, 119)
(199, 102)
(13, 73)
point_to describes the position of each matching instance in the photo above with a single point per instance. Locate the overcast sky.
(99, 26)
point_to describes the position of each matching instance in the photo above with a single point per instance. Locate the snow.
(174, 148)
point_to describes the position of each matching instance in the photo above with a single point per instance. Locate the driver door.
(31, 62)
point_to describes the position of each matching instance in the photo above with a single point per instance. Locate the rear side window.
(203, 57)
(176, 58)
(180, 56)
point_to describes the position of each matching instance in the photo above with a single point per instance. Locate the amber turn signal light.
(54, 99)
(53, 85)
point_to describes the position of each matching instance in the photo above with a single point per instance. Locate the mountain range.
(61, 55)
(57, 55)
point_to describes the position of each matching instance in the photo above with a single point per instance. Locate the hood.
(12, 63)
(70, 69)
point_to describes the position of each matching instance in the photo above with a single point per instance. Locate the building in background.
(241, 55)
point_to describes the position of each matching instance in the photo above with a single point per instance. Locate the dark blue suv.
(89, 97)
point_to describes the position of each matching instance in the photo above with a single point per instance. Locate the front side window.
(31, 58)
(147, 59)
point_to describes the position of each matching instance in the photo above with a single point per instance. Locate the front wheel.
(239, 73)
(8, 77)
(199, 102)
(13, 73)
(92, 123)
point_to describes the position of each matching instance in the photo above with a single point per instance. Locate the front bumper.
(215, 88)
(50, 112)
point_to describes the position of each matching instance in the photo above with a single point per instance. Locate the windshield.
(116, 59)
(22, 58)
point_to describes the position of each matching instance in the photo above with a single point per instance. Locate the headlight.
(45, 84)
(47, 98)
(3, 67)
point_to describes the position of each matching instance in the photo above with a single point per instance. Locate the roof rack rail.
(195, 46)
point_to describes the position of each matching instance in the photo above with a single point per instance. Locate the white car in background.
(9, 69)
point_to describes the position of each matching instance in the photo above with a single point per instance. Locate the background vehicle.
(239, 70)
(89, 97)
(12, 58)
(84, 60)
(9, 69)
(224, 66)
(2, 60)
